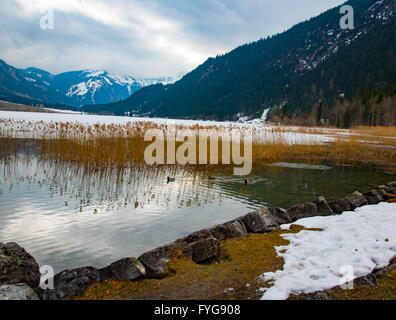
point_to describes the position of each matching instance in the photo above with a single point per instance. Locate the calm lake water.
(68, 217)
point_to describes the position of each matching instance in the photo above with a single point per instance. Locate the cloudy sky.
(142, 38)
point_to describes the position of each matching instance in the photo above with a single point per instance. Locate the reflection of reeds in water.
(110, 188)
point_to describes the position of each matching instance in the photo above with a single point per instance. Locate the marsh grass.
(123, 145)
(377, 131)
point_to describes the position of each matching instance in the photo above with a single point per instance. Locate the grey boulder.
(155, 261)
(340, 206)
(368, 280)
(281, 215)
(105, 274)
(202, 251)
(232, 229)
(18, 266)
(301, 211)
(374, 196)
(128, 269)
(199, 235)
(19, 291)
(323, 208)
(357, 200)
(349, 203)
(260, 221)
(70, 283)
(320, 296)
(200, 246)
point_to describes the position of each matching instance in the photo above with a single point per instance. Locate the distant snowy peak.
(123, 79)
(91, 86)
(94, 79)
(148, 82)
(131, 82)
(94, 73)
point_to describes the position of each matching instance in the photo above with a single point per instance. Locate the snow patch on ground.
(62, 111)
(262, 133)
(364, 239)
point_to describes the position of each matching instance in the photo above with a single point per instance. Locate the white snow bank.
(94, 119)
(361, 241)
(62, 111)
(261, 133)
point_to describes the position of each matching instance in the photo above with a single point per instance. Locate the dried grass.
(122, 145)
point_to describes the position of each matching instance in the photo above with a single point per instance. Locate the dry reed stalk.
(122, 145)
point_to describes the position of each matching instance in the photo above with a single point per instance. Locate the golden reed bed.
(122, 145)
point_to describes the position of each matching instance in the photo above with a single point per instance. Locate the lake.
(68, 216)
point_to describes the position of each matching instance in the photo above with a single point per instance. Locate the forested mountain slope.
(315, 60)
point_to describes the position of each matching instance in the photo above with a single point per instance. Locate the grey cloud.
(151, 38)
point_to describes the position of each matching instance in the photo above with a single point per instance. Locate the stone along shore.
(20, 275)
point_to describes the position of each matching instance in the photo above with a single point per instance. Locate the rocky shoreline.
(19, 272)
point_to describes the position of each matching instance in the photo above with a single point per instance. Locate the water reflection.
(101, 191)
(69, 216)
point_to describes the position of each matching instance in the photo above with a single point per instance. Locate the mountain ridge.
(262, 74)
(74, 88)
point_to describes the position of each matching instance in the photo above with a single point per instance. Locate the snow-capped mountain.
(90, 86)
(30, 86)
